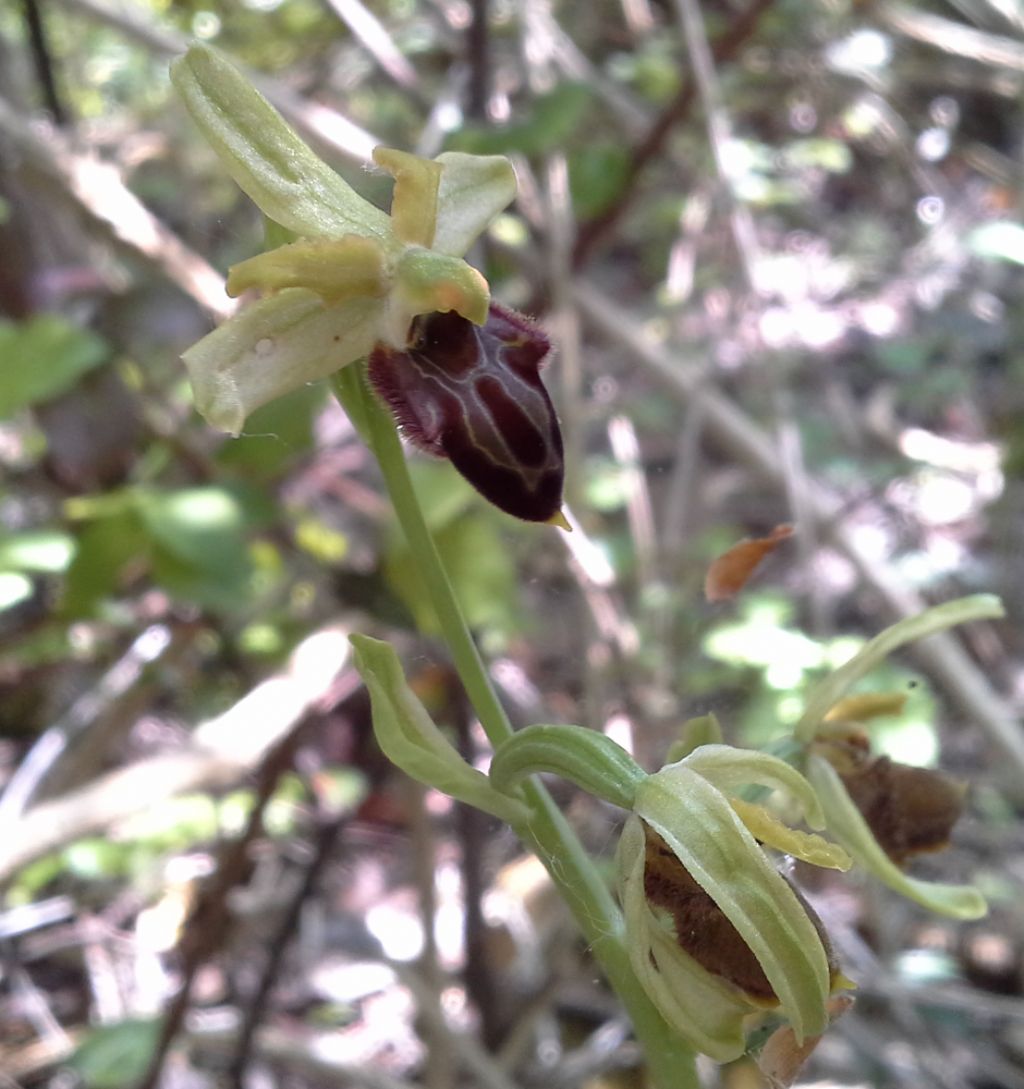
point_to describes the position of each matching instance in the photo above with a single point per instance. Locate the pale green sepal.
(849, 827)
(706, 1011)
(414, 200)
(809, 847)
(426, 282)
(585, 757)
(703, 730)
(266, 157)
(473, 190)
(700, 827)
(729, 769)
(931, 621)
(409, 738)
(272, 347)
(335, 268)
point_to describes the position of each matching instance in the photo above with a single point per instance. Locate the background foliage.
(784, 284)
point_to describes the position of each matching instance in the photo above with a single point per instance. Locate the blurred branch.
(306, 1054)
(478, 48)
(374, 37)
(71, 750)
(43, 60)
(474, 1059)
(730, 428)
(326, 837)
(652, 145)
(97, 188)
(209, 923)
(953, 37)
(222, 751)
(719, 130)
(326, 127)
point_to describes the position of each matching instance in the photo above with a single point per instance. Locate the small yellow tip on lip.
(558, 519)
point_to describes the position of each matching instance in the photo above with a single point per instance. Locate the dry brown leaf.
(728, 574)
(782, 1057)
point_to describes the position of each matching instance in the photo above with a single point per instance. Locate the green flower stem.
(670, 1059)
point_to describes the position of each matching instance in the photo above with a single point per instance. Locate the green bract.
(356, 277)
(844, 819)
(585, 757)
(702, 1008)
(409, 738)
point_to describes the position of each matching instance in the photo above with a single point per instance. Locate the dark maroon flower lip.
(473, 394)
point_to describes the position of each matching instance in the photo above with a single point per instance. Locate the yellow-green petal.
(938, 618)
(849, 827)
(729, 769)
(265, 156)
(335, 268)
(425, 282)
(700, 827)
(414, 201)
(809, 847)
(703, 1009)
(275, 346)
(473, 190)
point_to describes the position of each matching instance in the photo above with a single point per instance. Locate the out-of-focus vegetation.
(784, 285)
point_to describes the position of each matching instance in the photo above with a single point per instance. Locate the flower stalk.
(545, 831)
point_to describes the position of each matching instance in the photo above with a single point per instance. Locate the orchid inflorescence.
(715, 934)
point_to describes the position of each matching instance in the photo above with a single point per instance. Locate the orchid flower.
(714, 932)
(356, 276)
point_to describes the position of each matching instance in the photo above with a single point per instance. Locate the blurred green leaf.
(553, 121)
(48, 551)
(275, 435)
(106, 546)
(200, 543)
(1002, 240)
(201, 526)
(114, 1056)
(41, 358)
(597, 176)
(14, 589)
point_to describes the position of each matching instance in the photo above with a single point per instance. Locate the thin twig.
(329, 129)
(223, 751)
(98, 189)
(478, 49)
(42, 58)
(470, 827)
(208, 926)
(326, 837)
(650, 147)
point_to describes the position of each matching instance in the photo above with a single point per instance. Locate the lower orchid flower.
(714, 932)
(880, 811)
